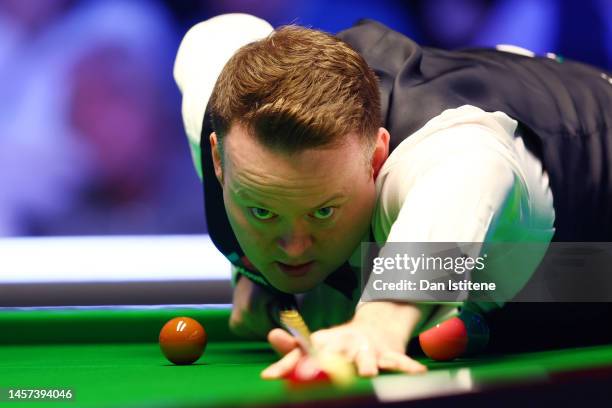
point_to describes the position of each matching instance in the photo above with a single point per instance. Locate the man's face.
(298, 217)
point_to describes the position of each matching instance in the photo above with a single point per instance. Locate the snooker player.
(320, 142)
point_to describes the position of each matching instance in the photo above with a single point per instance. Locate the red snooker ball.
(307, 372)
(182, 340)
(445, 341)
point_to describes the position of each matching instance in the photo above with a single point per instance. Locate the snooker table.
(110, 357)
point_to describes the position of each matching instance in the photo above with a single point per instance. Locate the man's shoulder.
(368, 34)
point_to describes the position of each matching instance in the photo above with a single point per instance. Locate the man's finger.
(400, 362)
(281, 341)
(283, 366)
(365, 360)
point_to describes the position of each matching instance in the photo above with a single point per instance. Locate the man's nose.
(296, 240)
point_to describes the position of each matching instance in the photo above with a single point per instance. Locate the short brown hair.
(297, 89)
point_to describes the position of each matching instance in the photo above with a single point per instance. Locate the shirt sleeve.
(202, 54)
(457, 199)
(453, 187)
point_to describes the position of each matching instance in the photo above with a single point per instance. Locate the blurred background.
(91, 139)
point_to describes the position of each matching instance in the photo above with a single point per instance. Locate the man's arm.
(457, 196)
(458, 199)
(252, 307)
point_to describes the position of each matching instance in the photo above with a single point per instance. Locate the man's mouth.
(295, 270)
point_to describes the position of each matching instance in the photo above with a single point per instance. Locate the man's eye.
(324, 213)
(261, 213)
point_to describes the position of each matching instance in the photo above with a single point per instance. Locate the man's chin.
(294, 285)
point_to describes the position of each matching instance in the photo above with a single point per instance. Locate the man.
(306, 171)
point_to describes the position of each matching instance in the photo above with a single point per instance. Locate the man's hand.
(252, 303)
(374, 340)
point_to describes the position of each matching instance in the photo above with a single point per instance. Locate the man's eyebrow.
(332, 198)
(243, 194)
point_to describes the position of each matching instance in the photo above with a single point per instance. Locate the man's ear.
(381, 151)
(215, 151)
